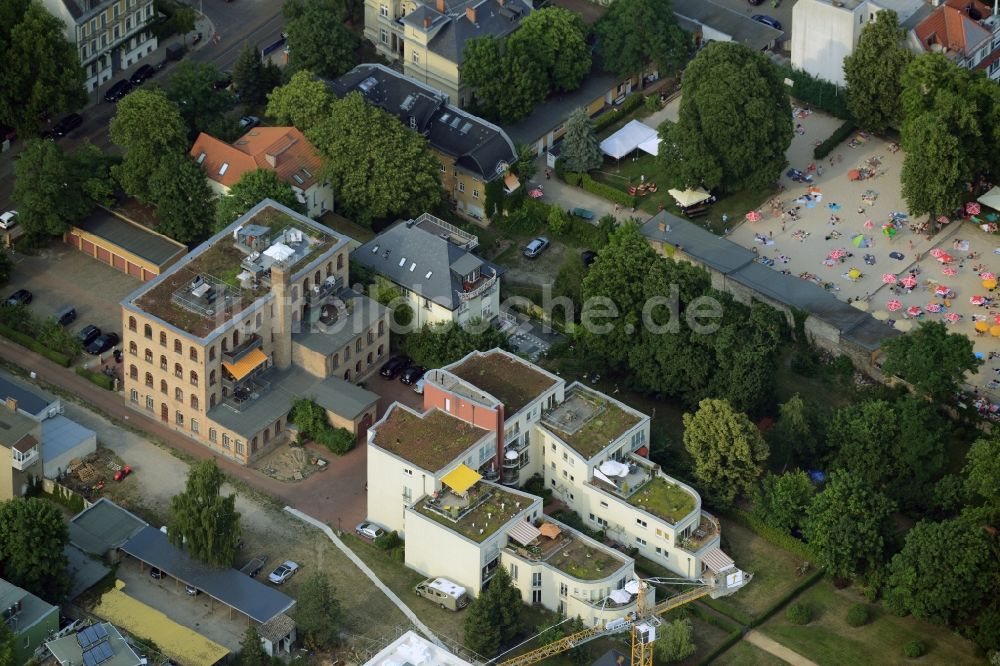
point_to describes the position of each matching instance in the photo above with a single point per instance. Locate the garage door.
(118, 262)
(103, 255)
(134, 271)
(73, 240)
(147, 275)
(86, 247)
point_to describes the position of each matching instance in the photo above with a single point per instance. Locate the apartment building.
(432, 264)
(472, 151)
(967, 32)
(283, 150)
(220, 345)
(29, 618)
(20, 451)
(427, 37)
(448, 479)
(110, 35)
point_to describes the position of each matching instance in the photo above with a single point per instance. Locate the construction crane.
(643, 623)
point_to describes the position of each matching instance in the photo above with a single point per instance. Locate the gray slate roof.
(103, 527)
(740, 27)
(61, 434)
(236, 590)
(33, 609)
(444, 261)
(365, 312)
(449, 41)
(131, 237)
(477, 145)
(546, 117)
(29, 400)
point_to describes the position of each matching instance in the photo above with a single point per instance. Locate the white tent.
(689, 198)
(627, 139)
(651, 145)
(991, 198)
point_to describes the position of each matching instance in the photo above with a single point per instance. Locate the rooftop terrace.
(512, 382)
(428, 441)
(663, 499)
(478, 514)
(589, 421)
(571, 555)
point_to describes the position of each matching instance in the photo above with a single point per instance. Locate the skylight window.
(429, 274)
(402, 262)
(298, 179)
(375, 249)
(224, 168)
(412, 266)
(201, 158)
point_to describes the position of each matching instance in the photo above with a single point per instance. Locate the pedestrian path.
(424, 629)
(777, 649)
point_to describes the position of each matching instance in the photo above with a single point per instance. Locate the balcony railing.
(317, 294)
(251, 342)
(22, 460)
(248, 391)
(483, 286)
(707, 531)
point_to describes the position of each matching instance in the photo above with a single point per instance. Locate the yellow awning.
(246, 365)
(461, 478)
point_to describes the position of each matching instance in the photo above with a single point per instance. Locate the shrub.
(630, 103)
(312, 421)
(835, 139)
(388, 541)
(98, 378)
(799, 614)
(573, 178)
(817, 93)
(858, 615)
(914, 649)
(600, 189)
(560, 168)
(35, 346)
(653, 103)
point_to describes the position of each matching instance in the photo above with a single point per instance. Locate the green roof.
(510, 380)
(589, 422)
(664, 500)
(494, 508)
(430, 441)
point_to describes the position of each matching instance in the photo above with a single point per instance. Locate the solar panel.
(97, 655)
(91, 635)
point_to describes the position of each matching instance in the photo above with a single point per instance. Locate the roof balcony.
(235, 355)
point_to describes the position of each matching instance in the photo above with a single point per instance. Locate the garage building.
(121, 243)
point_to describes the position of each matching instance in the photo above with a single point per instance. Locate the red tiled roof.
(950, 27)
(284, 150)
(25, 444)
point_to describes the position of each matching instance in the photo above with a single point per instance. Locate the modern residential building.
(711, 22)
(31, 620)
(284, 150)
(110, 35)
(967, 32)
(412, 648)
(428, 37)
(824, 32)
(447, 479)
(20, 451)
(222, 343)
(433, 265)
(471, 150)
(100, 643)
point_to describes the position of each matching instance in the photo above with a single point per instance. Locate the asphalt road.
(255, 21)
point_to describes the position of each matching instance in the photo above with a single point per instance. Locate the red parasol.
(941, 290)
(914, 310)
(945, 258)
(943, 219)
(932, 307)
(949, 271)
(977, 300)
(986, 275)
(753, 216)
(972, 208)
(837, 254)
(893, 305)
(953, 317)
(909, 282)
(888, 278)
(936, 252)
(869, 224)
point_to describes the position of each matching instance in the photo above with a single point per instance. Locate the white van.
(444, 593)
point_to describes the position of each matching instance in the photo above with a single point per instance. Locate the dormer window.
(201, 157)
(472, 277)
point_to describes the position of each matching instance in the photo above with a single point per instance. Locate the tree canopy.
(41, 72)
(7, 644)
(202, 520)
(183, 198)
(48, 190)
(632, 33)
(581, 151)
(873, 72)
(674, 641)
(782, 499)
(252, 77)
(734, 125)
(379, 168)
(494, 618)
(303, 102)
(32, 551)
(318, 613)
(252, 650)
(147, 126)
(982, 475)
(932, 359)
(318, 40)
(252, 188)
(191, 87)
(436, 345)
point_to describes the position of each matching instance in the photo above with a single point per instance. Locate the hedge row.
(98, 378)
(835, 139)
(600, 189)
(817, 93)
(631, 103)
(728, 642)
(34, 345)
(772, 535)
(712, 618)
(728, 611)
(806, 582)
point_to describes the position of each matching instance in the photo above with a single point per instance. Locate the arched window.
(225, 345)
(131, 323)
(371, 336)
(381, 328)
(133, 348)
(295, 293)
(329, 268)
(340, 261)
(305, 285)
(163, 386)
(381, 350)
(149, 355)
(357, 366)
(147, 331)
(194, 402)
(211, 401)
(369, 358)
(211, 353)
(317, 278)
(133, 372)
(178, 348)
(347, 375)
(193, 353)
(336, 360)
(178, 370)
(194, 378)
(178, 394)
(357, 345)
(257, 321)
(236, 339)
(149, 379)
(163, 339)
(163, 362)
(211, 378)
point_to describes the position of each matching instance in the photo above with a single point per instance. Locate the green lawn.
(828, 639)
(663, 499)
(746, 654)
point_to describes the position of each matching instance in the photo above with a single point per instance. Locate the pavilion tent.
(627, 139)
(991, 198)
(651, 145)
(689, 198)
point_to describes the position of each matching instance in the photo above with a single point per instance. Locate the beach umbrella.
(943, 219)
(889, 230)
(936, 252)
(888, 278)
(914, 310)
(996, 319)
(972, 208)
(894, 305)
(932, 307)
(953, 317)
(880, 315)
(995, 330)
(945, 258)
(986, 275)
(989, 284)
(834, 206)
(854, 274)
(837, 254)
(753, 216)
(977, 300)
(859, 241)
(949, 271)
(909, 282)
(982, 326)
(869, 224)
(941, 290)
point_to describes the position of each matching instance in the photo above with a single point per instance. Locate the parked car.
(140, 75)
(536, 247)
(588, 257)
(582, 212)
(369, 530)
(66, 315)
(118, 91)
(20, 297)
(767, 20)
(88, 334)
(418, 388)
(756, 2)
(412, 374)
(155, 573)
(283, 572)
(444, 593)
(8, 220)
(192, 590)
(102, 343)
(249, 122)
(394, 366)
(66, 125)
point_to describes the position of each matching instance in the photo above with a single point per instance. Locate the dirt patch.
(533, 272)
(291, 463)
(95, 475)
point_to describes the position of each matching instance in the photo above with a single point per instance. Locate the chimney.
(470, 13)
(11, 404)
(272, 159)
(663, 227)
(440, 6)
(427, 21)
(283, 309)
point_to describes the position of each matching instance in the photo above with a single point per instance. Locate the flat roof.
(740, 27)
(363, 312)
(718, 253)
(68, 652)
(31, 400)
(130, 237)
(62, 435)
(103, 526)
(238, 591)
(554, 110)
(510, 380)
(33, 609)
(409, 648)
(589, 421)
(430, 441)
(491, 507)
(85, 570)
(14, 427)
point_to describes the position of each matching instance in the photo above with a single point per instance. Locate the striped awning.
(246, 365)
(524, 533)
(718, 561)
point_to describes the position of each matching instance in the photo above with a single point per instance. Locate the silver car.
(536, 247)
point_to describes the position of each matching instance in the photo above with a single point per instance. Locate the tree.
(318, 613)
(982, 476)
(303, 102)
(494, 618)
(944, 574)
(41, 72)
(634, 32)
(191, 87)
(791, 436)
(727, 450)
(183, 198)
(252, 188)
(252, 650)
(874, 71)
(932, 359)
(378, 167)
(734, 125)
(482, 69)
(146, 126)
(581, 151)
(202, 520)
(849, 525)
(252, 77)
(32, 551)
(558, 39)
(7, 643)
(525, 167)
(439, 344)
(92, 169)
(386, 293)
(318, 40)
(782, 500)
(47, 190)
(674, 642)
